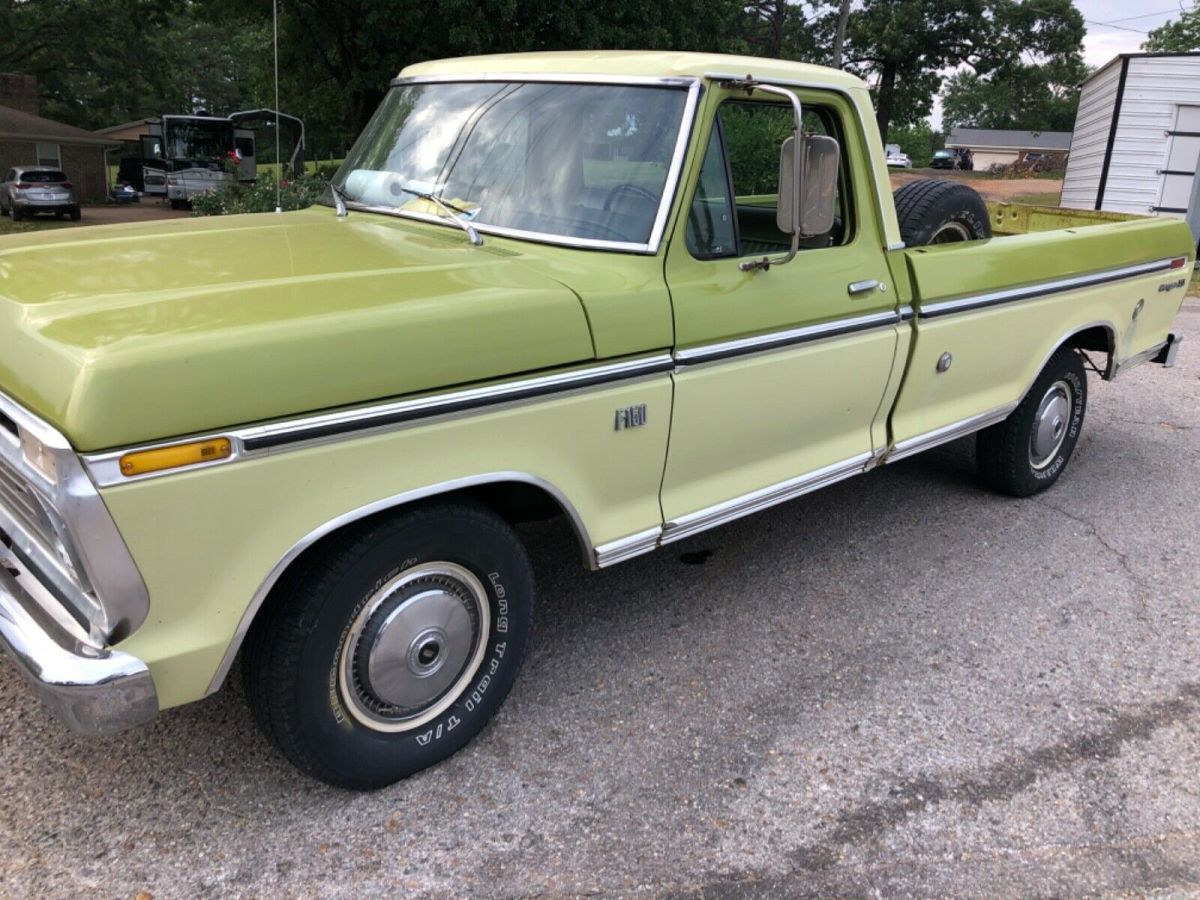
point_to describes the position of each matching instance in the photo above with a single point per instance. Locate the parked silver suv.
(38, 189)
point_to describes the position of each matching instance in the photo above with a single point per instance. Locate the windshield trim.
(674, 170)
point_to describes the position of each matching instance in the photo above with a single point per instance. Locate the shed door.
(1183, 159)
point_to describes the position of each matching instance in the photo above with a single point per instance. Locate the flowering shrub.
(231, 199)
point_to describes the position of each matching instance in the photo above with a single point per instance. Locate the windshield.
(566, 160)
(43, 177)
(202, 140)
(944, 153)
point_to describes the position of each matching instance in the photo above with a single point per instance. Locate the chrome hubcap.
(413, 647)
(951, 233)
(1050, 424)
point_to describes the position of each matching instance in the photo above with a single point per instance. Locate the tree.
(905, 45)
(779, 29)
(918, 140)
(338, 56)
(79, 50)
(1026, 96)
(1182, 36)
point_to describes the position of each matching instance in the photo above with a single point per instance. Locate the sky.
(1113, 26)
(1129, 23)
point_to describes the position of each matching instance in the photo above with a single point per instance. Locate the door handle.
(861, 287)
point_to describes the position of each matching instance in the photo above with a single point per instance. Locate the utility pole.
(840, 38)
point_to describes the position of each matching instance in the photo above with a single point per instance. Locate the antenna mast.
(278, 158)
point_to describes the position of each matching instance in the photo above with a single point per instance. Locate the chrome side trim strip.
(674, 170)
(764, 498)
(1040, 289)
(627, 547)
(258, 440)
(780, 339)
(386, 503)
(953, 431)
(332, 424)
(906, 313)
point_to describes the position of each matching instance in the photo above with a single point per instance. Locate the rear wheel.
(75, 214)
(932, 211)
(388, 650)
(1029, 450)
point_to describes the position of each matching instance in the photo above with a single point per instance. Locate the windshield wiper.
(339, 199)
(454, 212)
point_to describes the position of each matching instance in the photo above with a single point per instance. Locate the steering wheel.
(628, 187)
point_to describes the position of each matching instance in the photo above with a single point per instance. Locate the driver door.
(781, 371)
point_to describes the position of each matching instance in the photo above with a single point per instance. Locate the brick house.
(26, 139)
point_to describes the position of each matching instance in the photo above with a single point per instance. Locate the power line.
(1174, 9)
(1118, 27)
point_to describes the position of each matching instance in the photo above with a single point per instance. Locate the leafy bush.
(231, 199)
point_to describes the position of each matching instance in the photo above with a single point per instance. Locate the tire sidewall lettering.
(1079, 401)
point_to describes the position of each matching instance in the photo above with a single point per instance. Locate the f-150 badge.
(631, 417)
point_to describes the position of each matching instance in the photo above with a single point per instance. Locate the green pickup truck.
(647, 292)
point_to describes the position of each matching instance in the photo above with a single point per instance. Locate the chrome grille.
(19, 500)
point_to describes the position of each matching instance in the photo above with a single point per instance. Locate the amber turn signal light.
(139, 462)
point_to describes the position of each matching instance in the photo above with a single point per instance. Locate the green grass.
(8, 226)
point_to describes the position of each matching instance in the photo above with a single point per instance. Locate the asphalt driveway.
(903, 685)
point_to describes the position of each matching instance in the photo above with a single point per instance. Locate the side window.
(746, 143)
(710, 227)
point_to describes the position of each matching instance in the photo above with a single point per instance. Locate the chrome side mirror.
(787, 214)
(818, 187)
(808, 186)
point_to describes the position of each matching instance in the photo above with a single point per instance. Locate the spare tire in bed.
(940, 212)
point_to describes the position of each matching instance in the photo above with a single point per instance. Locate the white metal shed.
(1136, 144)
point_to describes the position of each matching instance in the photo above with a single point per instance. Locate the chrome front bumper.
(95, 690)
(44, 203)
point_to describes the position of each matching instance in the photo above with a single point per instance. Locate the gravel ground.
(902, 685)
(988, 188)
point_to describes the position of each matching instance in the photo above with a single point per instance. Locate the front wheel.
(1029, 450)
(387, 650)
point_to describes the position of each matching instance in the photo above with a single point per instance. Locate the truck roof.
(643, 63)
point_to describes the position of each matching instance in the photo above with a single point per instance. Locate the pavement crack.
(1118, 554)
(1000, 781)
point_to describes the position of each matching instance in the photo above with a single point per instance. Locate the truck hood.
(129, 333)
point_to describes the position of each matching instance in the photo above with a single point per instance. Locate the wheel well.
(510, 496)
(1097, 338)
(516, 502)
